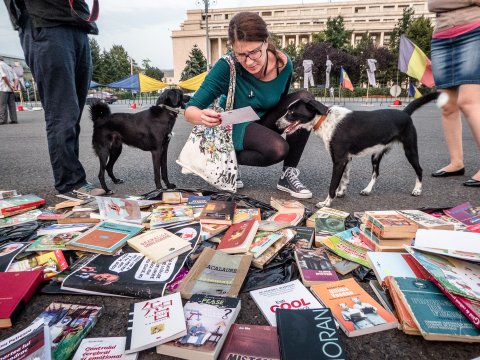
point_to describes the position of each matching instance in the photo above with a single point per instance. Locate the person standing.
(456, 69)
(8, 85)
(53, 35)
(263, 77)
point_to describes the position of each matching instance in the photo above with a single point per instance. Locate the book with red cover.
(16, 204)
(16, 290)
(238, 237)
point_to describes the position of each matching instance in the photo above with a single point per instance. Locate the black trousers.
(7, 105)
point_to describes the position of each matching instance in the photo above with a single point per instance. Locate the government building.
(293, 24)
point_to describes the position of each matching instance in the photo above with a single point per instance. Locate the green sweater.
(266, 94)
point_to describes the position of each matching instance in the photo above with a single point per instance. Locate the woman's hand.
(210, 118)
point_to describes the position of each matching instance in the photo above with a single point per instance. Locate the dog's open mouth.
(291, 128)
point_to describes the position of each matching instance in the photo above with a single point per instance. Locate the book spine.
(371, 244)
(128, 343)
(11, 209)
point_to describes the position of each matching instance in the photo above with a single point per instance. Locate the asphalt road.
(25, 166)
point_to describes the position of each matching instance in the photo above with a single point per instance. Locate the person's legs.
(53, 54)
(12, 108)
(452, 130)
(3, 107)
(469, 104)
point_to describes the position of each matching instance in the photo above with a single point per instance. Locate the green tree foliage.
(97, 60)
(400, 28)
(195, 65)
(319, 37)
(336, 34)
(420, 32)
(116, 64)
(152, 71)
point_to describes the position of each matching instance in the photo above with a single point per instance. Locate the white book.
(104, 348)
(154, 322)
(389, 264)
(56, 229)
(112, 208)
(291, 295)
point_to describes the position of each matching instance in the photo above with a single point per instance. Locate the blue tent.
(94, 84)
(139, 83)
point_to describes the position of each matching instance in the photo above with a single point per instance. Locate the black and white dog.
(348, 133)
(148, 130)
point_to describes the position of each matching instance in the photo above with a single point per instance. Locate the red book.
(16, 290)
(16, 204)
(238, 237)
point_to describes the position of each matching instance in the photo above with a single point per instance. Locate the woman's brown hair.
(249, 26)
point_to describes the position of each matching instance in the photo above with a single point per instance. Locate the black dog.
(149, 130)
(347, 133)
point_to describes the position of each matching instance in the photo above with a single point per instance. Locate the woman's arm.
(207, 117)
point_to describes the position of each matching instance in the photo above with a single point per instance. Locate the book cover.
(172, 197)
(426, 221)
(112, 208)
(238, 237)
(8, 252)
(390, 224)
(356, 311)
(435, 315)
(7, 194)
(51, 213)
(77, 216)
(208, 319)
(291, 218)
(51, 263)
(325, 211)
(341, 265)
(269, 254)
(63, 228)
(287, 205)
(129, 273)
(304, 236)
(382, 245)
(390, 264)
(244, 214)
(197, 201)
(290, 295)
(346, 250)
(456, 276)
(262, 241)
(154, 322)
(465, 213)
(216, 273)
(159, 245)
(52, 242)
(314, 266)
(211, 230)
(272, 226)
(352, 235)
(105, 237)
(69, 324)
(328, 224)
(218, 212)
(14, 204)
(103, 347)
(165, 215)
(309, 334)
(19, 218)
(31, 343)
(16, 290)
(251, 342)
(382, 295)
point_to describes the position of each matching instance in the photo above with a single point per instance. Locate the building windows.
(360, 10)
(226, 16)
(266, 13)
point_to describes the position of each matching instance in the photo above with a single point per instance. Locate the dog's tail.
(415, 104)
(99, 110)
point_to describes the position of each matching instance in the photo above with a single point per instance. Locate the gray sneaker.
(89, 190)
(289, 183)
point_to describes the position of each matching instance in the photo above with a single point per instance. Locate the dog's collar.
(169, 108)
(320, 120)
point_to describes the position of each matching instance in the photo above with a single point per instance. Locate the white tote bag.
(209, 152)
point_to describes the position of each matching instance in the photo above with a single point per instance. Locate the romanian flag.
(413, 91)
(413, 62)
(345, 80)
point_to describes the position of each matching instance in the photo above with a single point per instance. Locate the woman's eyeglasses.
(255, 54)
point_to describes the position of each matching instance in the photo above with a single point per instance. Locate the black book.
(309, 334)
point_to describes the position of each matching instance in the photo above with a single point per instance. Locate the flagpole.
(368, 87)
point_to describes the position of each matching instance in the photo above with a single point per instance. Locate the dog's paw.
(109, 192)
(340, 194)
(416, 192)
(321, 204)
(118, 181)
(171, 186)
(365, 192)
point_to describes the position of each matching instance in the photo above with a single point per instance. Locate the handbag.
(209, 152)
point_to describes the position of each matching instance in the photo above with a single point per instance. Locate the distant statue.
(18, 69)
(328, 69)
(307, 73)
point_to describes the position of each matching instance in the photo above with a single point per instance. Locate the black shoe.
(13, 122)
(3, 123)
(289, 182)
(472, 182)
(442, 173)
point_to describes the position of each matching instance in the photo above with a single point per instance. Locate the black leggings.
(263, 145)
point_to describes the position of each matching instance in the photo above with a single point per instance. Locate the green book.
(435, 315)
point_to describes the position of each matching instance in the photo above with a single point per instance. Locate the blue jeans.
(61, 64)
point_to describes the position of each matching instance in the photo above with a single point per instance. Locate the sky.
(142, 27)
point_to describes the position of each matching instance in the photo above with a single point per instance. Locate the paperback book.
(355, 310)
(69, 324)
(426, 221)
(346, 250)
(262, 241)
(386, 264)
(238, 237)
(154, 322)
(341, 265)
(287, 206)
(208, 319)
(19, 218)
(105, 238)
(112, 208)
(327, 212)
(382, 295)
(7, 194)
(216, 273)
(291, 218)
(268, 255)
(77, 216)
(314, 266)
(19, 204)
(304, 236)
(52, 242)
(244, 214)
(390, 224)
(129, 273)
(51, 263)
(218, 212)
(291, 295)
(465, 213)
(31, 343)
(105, 348)
(319, 339)
(166, 215)
(8, 252)
(55, 229)
(251, 342)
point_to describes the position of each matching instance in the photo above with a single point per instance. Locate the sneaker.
(289, 182)
(89, 190)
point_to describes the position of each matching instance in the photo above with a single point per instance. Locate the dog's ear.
(318, 106)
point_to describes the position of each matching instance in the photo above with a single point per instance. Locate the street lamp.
(206, 3)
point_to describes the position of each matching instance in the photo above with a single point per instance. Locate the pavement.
(25, 166)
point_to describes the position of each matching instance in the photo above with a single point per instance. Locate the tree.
(152, 71)
(97, 60)
(400, 28)
(116, 64)
(336, 34)
(420, 32)
(195, 65)
(319, 37)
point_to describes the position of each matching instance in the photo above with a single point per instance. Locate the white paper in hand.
(238, 116)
